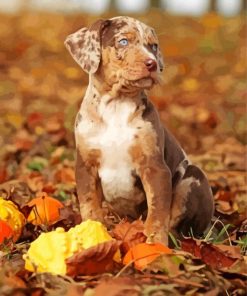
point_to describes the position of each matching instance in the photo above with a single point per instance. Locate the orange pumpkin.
(45, 210)
(6, 232)
(144, 253)
(10, 213)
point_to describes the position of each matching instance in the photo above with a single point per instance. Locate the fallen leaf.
(144, 253)
(130, 234)
(68, 218)
(14, 281)
(217, 256)
(163, 289)
(118, 286)
(34, 119)
(97, 259)
(168, 264)
(65, 175)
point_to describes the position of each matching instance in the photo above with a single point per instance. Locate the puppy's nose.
(151, 65)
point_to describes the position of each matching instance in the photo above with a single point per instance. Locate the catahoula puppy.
(125, 156)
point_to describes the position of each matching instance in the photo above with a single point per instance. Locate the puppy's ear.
(85, 45)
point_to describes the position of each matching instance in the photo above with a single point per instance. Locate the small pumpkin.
(12, 216)
(6, 232)
(144, 253)
(50, 250)
(92, 233)
(45, 210)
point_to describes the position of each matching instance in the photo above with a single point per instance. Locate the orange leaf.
(144, 253)
(6, 231)
(45, 210)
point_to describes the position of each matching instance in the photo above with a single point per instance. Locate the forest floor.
(202, 101)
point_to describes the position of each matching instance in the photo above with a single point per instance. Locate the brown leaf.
(97, 259)
(130, 234)
(35, 181)
(231, 251)
(225, 207)
(49, 188)
(224, 195)
(15, 190)
(23, 141)
(74, 290)
(65, 175)
(14, 281)
(118, 286)
(23, 144)
(68, 217)
(3, 174)
(167, 263)
(217, 256)
(34, 119)
(54, 124)
(191, 246)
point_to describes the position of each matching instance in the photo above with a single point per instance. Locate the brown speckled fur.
(149, 165)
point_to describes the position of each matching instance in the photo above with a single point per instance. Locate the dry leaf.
(118, 287)
(129, 233)
(217, 256)
(97, 259)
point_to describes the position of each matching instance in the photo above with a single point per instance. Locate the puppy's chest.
(113, 137)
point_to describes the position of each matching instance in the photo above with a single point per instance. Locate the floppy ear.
(85, 46)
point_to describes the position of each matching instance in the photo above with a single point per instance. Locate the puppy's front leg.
(156, 180)
(88, 190)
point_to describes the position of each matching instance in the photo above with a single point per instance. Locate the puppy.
(124, 154)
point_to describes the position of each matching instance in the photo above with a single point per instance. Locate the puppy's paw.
(156, 235)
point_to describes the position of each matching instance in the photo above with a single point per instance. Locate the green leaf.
(222, 232)
(35, 166)
(174, 241)
(62, 195)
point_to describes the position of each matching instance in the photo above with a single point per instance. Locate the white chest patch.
(114, 138)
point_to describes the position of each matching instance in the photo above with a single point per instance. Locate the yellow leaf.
(15, 119)
(72, 72)
(190, 84)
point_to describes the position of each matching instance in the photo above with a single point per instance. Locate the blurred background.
(202, 98)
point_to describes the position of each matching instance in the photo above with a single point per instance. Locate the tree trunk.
(155, 3)
(213, 6)
(112, 6)
(244, 6)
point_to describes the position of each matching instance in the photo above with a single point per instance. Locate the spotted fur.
(125, 155)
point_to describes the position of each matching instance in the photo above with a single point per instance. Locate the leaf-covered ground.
(202, 100)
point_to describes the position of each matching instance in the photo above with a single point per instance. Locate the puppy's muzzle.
(151, 65)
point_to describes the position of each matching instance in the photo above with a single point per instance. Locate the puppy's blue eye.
(154, 47)
(124, 42)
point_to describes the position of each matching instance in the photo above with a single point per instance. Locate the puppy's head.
(119, 49)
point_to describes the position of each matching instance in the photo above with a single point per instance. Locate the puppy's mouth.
(135, 85)
(143, 80)
(146, 82)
